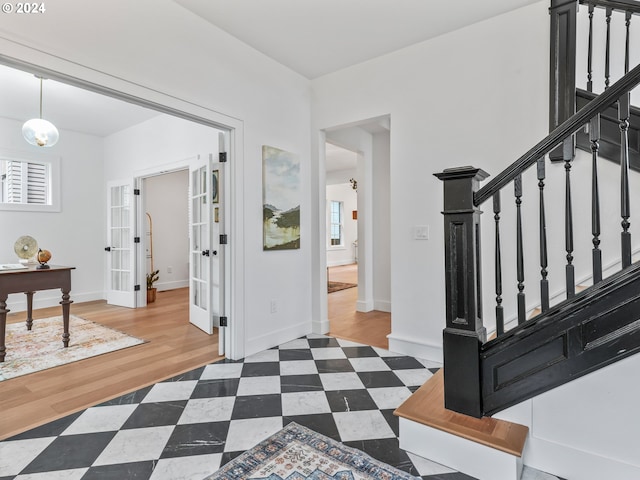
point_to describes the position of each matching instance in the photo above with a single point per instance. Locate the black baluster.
(568, 223)
(498, 267)
(596, 254)
(609, 10)
(544, 283)
(625, 210)
(590, 53)
(626, 47)
(517, 184)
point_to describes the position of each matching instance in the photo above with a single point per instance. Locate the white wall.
(585, 429)
(182, 61)
(341, 176)
(455, 100)
(75, 234)
(166, 199)
(154, 145)
(381, 222)
(344, 254)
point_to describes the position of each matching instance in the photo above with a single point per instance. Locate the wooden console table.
(30, 280)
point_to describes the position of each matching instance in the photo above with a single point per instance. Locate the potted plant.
(151, 290)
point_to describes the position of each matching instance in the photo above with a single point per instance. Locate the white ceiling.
(67, 107)
(312, 37)
(316, 37)
(338, 158)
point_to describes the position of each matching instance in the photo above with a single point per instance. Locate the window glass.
(335, 228)
(29, 184)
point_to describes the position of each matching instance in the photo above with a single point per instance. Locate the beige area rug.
(41, 348)
(337, 286)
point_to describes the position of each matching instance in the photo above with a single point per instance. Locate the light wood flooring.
(173, 346)
(370, 328)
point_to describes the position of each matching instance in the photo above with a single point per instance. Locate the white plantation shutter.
(37, 183)
(26, 182)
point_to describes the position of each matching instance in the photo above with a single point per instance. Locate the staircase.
(492, 448)
(448, 419)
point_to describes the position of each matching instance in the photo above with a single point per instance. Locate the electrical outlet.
(274, 306)
(169, 269)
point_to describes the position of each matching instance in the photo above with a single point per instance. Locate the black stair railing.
(465, 332)
(567, 94)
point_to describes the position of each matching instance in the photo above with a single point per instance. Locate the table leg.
(65, 316)
(3, 325)
(29, 309)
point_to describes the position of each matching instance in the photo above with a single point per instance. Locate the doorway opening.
(119, 115)
(166, 240)
(357, 171)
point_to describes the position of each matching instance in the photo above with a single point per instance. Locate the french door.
(206, 262)
(120, 247)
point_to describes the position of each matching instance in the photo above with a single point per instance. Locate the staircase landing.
(485, 448)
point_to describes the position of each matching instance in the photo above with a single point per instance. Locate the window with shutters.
(27, 184)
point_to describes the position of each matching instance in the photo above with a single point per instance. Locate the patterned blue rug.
(297, 453)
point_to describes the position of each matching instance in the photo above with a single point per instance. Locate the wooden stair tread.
(426, 406)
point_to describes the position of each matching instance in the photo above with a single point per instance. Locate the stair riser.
(466, 456)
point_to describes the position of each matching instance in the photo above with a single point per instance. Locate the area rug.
(336, 286)
(41, 348)
(297, 453)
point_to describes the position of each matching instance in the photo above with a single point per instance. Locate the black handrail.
(624, 5)
(564, 130)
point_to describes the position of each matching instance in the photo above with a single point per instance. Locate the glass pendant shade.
(40, 132)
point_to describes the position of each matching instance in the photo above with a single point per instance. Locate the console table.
(29, 280)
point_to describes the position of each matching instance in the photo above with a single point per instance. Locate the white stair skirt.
(466, 456)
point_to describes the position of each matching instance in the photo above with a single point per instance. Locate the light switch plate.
(421, 232)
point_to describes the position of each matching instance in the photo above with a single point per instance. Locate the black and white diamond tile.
(190, 425)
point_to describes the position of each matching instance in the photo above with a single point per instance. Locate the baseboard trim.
(320, 327)
(382, 306)
(341, 263)
(414, 348)
(172, 285)
(50, 299)
(568, 462)
(276, 337)
(364, 306)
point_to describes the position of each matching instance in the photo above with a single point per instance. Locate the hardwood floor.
(370, 328)
(173, 346)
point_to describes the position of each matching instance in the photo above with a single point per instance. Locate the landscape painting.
(281, 199)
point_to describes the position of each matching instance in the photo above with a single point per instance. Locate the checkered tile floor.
(190, 425)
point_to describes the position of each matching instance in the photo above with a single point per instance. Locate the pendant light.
(38, 131)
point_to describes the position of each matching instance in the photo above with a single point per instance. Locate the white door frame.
(34, 61)
(227, 334)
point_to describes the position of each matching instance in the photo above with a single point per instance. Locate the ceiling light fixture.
(38, 131)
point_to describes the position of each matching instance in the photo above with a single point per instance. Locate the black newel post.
(465, 332)
(562, 70)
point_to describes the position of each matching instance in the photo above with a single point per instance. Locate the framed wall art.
(281, 199)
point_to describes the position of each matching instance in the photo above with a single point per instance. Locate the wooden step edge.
(426, 406)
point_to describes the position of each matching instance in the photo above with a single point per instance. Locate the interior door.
(120, 244)
(218, 276)
(205, 279)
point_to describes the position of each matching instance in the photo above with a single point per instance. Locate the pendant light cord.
(40, 97)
